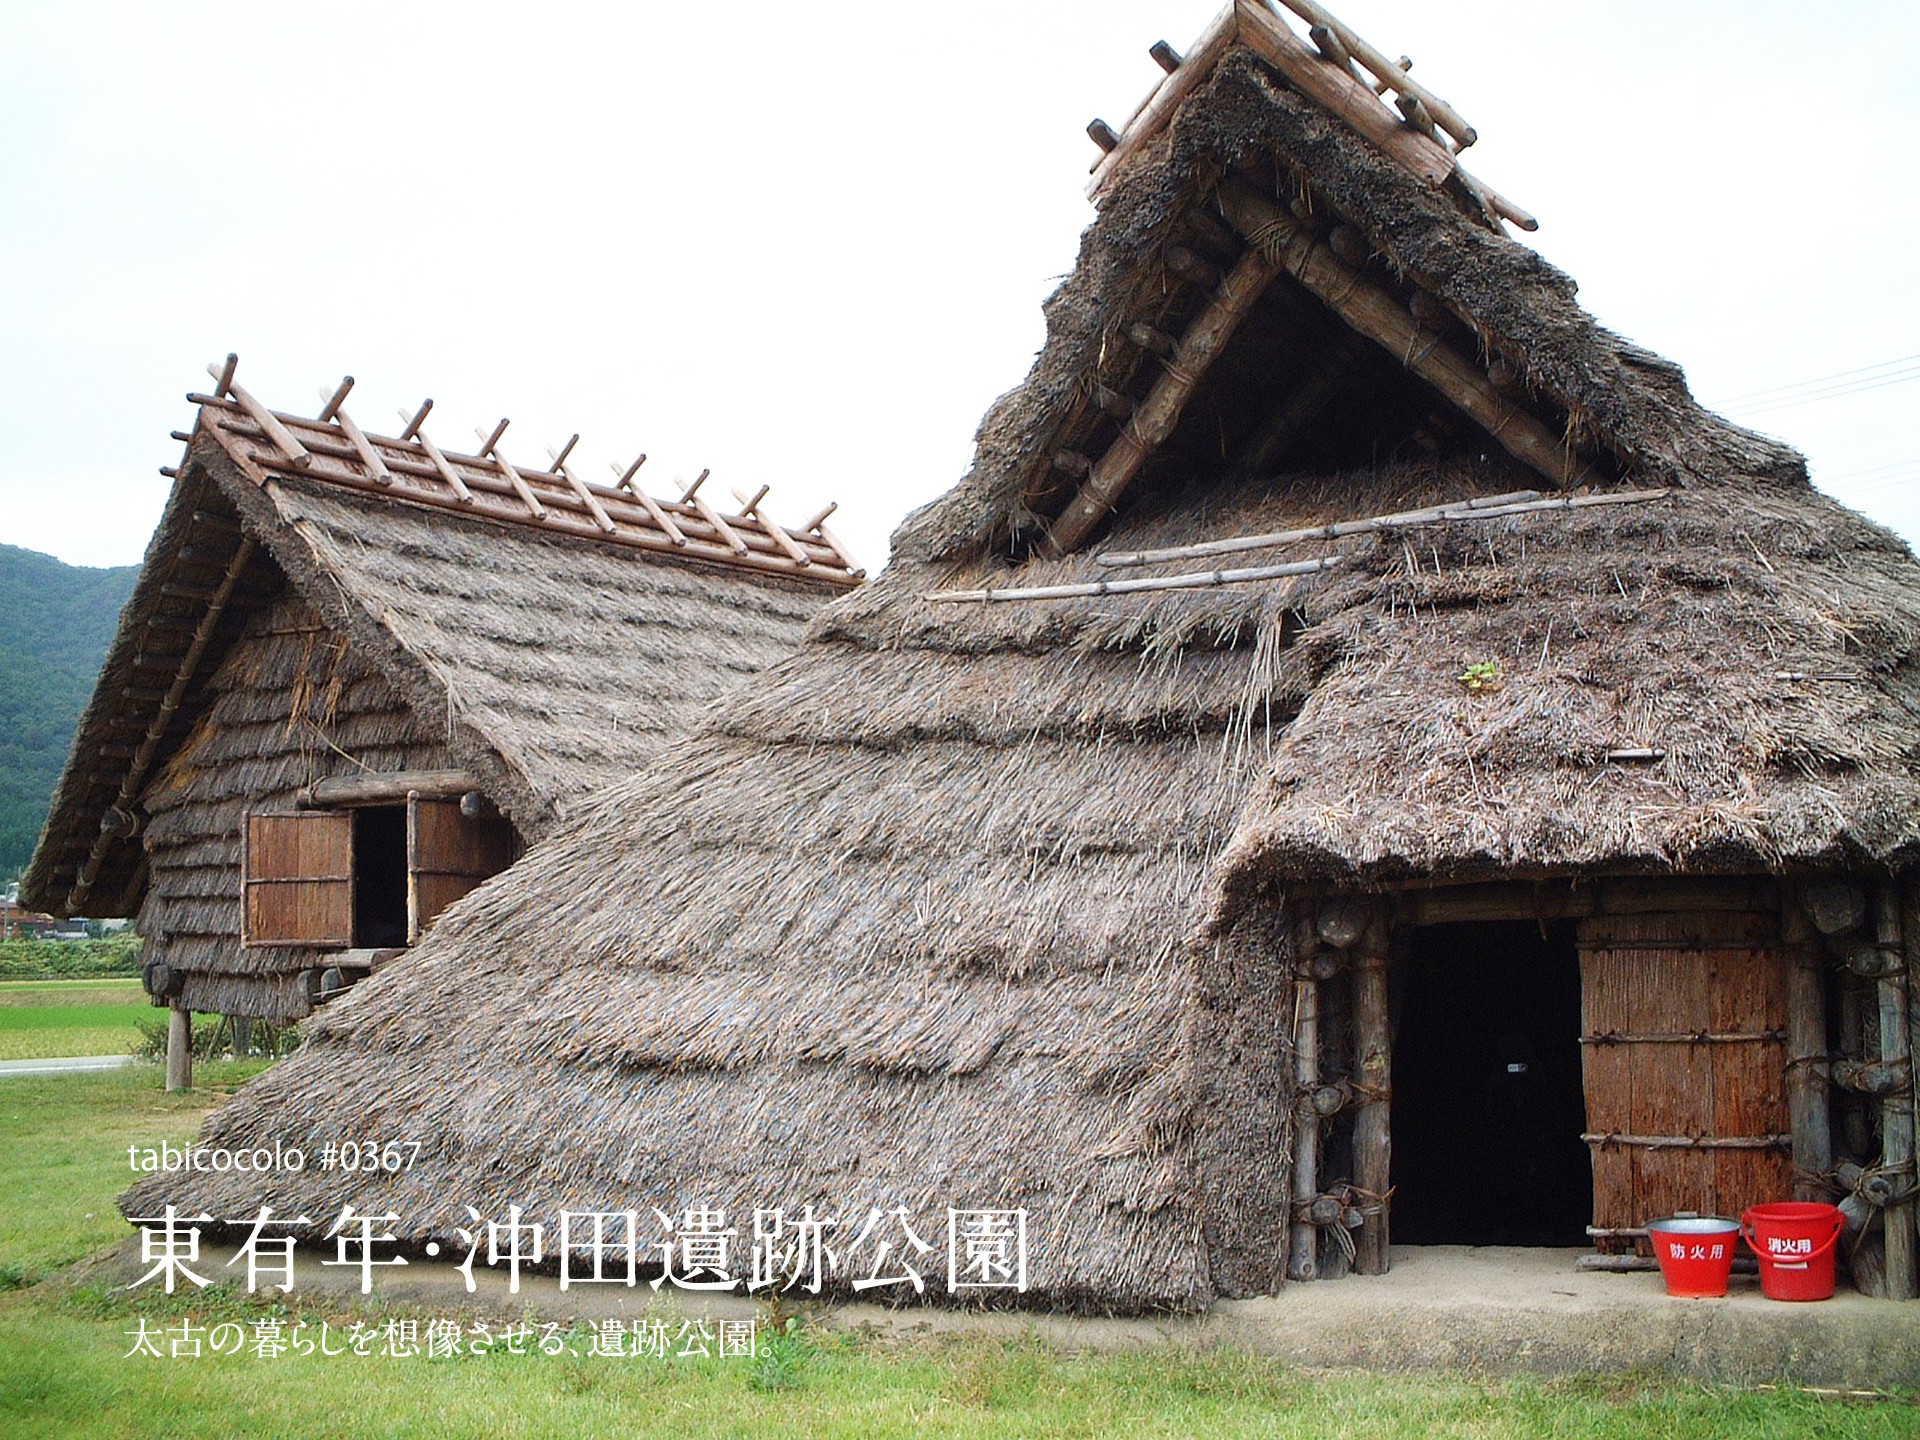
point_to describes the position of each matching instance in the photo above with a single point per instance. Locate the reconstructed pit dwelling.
(358, 674)
(1511, 842)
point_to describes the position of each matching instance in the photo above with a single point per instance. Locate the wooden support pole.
(1806, 1054)
(1910, 942)
(1160, 412)
(1376, 313)
(136, 775)
(1373, 1076)
(179, 1048)
(1304, 1246)
(1896, 1109)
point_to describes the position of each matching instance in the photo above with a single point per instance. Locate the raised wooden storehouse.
(1362, 755)
(358, 674)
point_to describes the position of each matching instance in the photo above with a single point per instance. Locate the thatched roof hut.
(1120, 905)
(327, 622)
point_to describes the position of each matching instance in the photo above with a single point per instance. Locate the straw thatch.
(370, 635)
(976, 905)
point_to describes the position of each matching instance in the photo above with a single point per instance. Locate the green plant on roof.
(1481, 675)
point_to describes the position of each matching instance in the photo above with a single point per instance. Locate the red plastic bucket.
(1794, 1241)
(1695, 1253)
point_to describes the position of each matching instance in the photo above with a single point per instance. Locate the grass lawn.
(64, 1368)
(44, 1019)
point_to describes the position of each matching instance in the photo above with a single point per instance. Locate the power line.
(1756, 395)
(1830, 392)
(1910, 462)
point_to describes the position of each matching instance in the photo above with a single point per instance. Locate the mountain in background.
(56, 621)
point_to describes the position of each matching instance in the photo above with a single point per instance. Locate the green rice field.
(50, 1019)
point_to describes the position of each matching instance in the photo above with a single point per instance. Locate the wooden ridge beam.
(488, 504)
(482, 488)
(1156, 416)
(1373, 311)
(1324, 72)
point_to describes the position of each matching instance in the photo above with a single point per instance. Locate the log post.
(179, 1048)
(1373, 1074)
(1303, 1251)
(242, 1026)
(1896, 1109)
(1806, 1055)
(1855, 1132)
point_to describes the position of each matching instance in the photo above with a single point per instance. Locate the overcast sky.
(807, 245)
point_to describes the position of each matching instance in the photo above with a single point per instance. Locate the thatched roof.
(549, 657)
(963, 914)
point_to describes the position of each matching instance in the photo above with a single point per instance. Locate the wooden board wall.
(1702, 973)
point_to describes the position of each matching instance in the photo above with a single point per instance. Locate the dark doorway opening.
(1488, 1104)
(380, 876)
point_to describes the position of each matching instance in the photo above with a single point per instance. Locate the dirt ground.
(1484, 1311)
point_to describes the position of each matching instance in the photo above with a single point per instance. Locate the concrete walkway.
(1486, 1312)
(70, 1065)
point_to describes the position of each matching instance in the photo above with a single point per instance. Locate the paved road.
(71, 1065)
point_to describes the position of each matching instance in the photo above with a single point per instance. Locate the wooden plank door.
(448, 854)
(296, 884)
(1684, 1040)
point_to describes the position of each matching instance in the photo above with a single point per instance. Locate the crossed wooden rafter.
(1421, 132)
(410, 467)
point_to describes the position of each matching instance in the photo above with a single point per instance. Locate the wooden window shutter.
(297, 880)
(448, 854)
